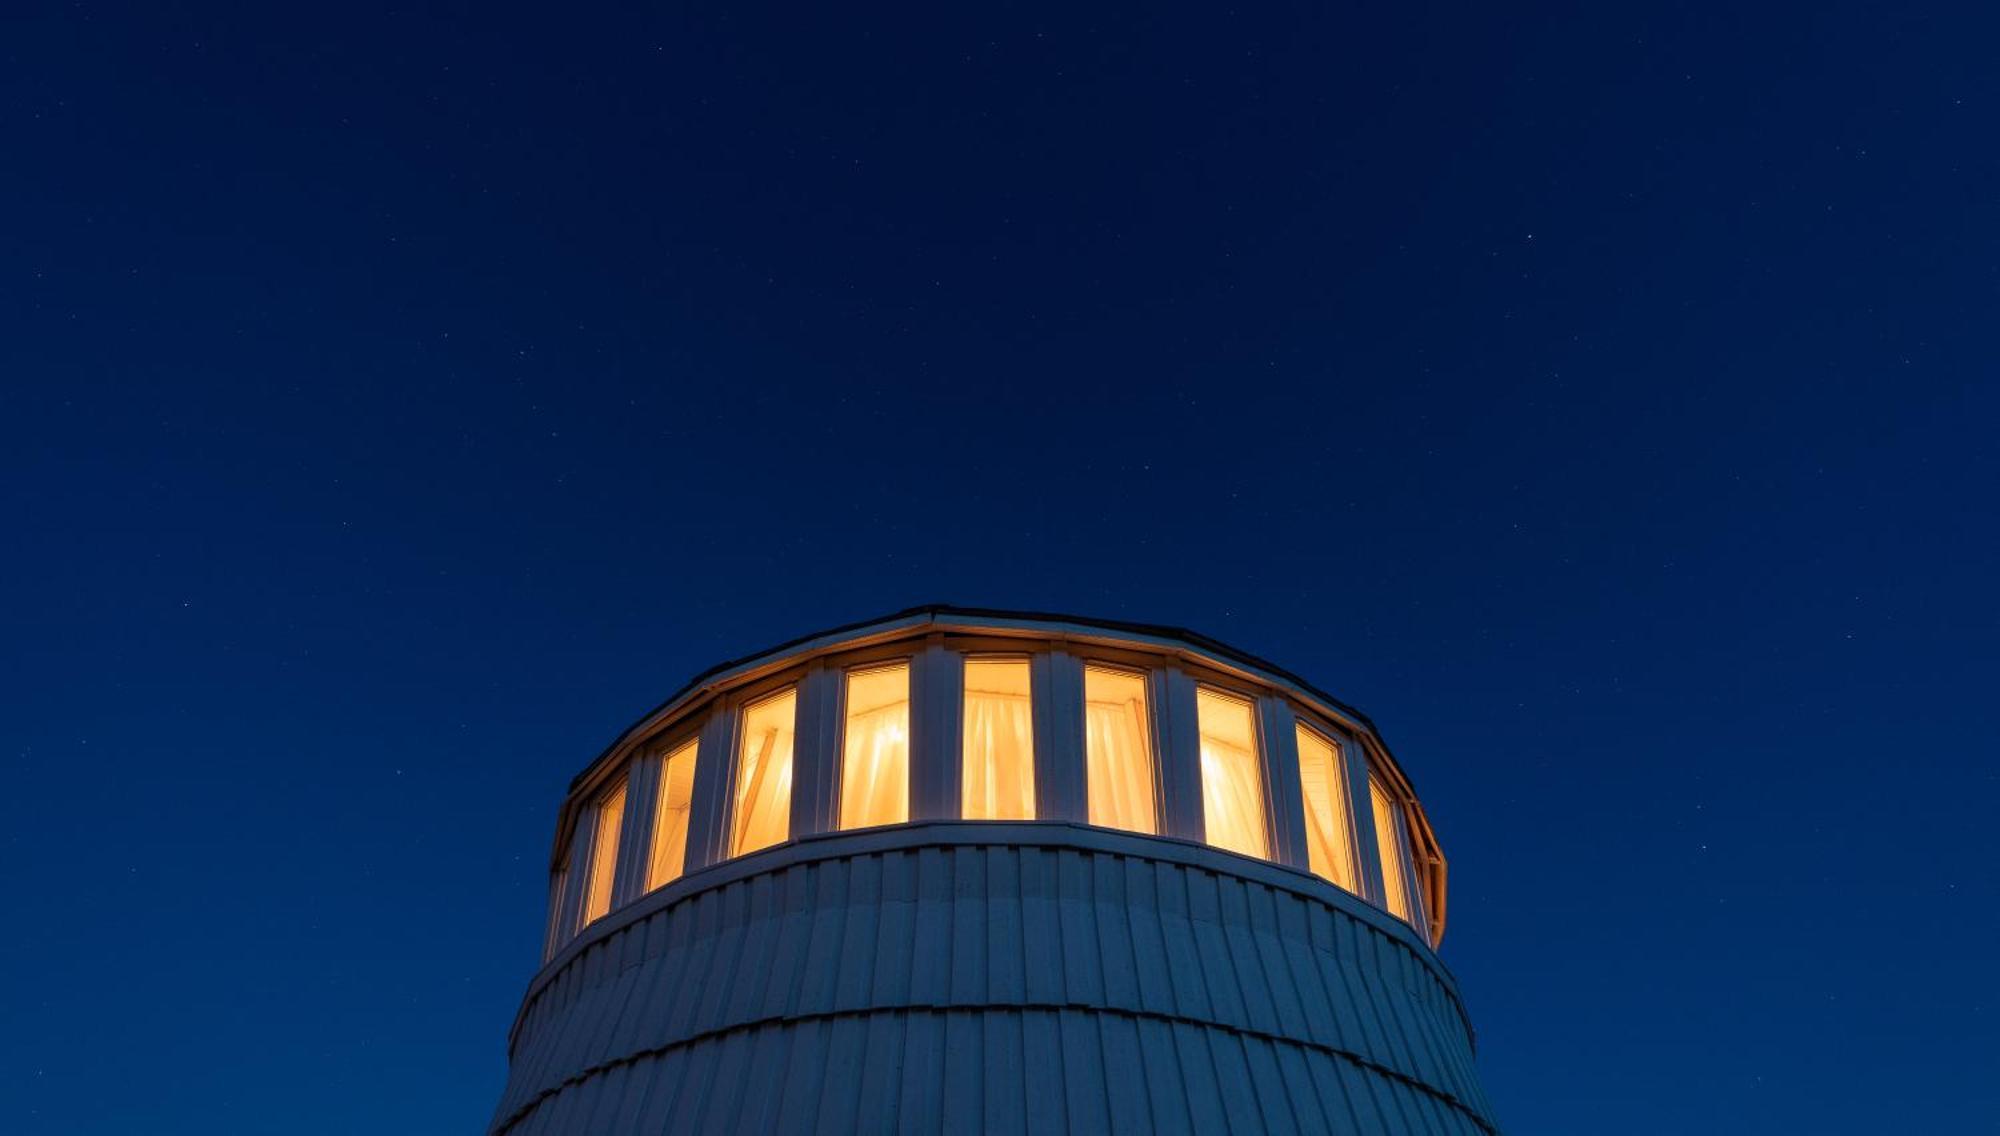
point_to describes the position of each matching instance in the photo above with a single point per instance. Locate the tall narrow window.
(764, 774)
(1323, 784)
(604, 852)
(670, 820)
(999, 741)
(875, 756)
(1232, 791)
(1391, 845)
(1118, 750)
(558, 888)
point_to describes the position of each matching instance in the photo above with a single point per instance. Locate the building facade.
(958, 870)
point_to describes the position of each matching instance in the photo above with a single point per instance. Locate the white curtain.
(1118, 752)
(999, 742)
(1329, 848)
(1232, 790)
(875, 758)
(1232, 798)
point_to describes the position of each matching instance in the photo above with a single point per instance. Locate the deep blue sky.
(397, 403)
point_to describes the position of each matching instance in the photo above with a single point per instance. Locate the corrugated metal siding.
(994, 987)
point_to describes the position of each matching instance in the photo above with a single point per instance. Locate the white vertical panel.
(1180, 755)
(816, 752)
(635, 840)
(1281, 782)
(714, 766)
(1057, 690)
(1354, 762)
(937, 682)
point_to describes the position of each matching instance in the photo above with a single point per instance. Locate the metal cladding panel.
(993, 978)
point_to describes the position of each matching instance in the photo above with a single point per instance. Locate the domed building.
(959, 870)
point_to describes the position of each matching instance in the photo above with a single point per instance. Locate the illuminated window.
(1323, 784)
(1391, 845)
(604, 853)
(670, 820)
(875, 758)
(1119, 749)
(1232, 791)
(999, 741)
(764, 774)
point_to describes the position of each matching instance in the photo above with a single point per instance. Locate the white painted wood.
(995, 976)
(1361, 810)
(816, 751)
(635, 837)
(1061, 791)
(1181, 812)
(937, 691)
(1285, 801)
(715, 763)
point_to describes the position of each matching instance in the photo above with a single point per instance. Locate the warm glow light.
(670, 820)
(604, 853)
(1389, 845)
(875, 758)
(764, 774)
(1119, 750)
(1371, 842)
(1329, 838)
(999, 741)
(1232, 792)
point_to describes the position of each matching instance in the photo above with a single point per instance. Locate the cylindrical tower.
(958, 870)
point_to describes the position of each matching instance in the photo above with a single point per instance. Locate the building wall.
(994, 977)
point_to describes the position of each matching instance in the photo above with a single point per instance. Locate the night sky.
(396, 404)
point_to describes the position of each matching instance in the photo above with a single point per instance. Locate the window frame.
(687, 731)
(1207, 679)
(967, 655)
(846, 665)
(558, 933)
(738, 706)
(1344, 759)
(619, 785)
(1155, 752)
(1400, 843)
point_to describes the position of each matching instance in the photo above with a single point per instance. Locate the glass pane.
(875, 758)
(1329, 838)
(1119, 750)
(1232, 791)
(1389, 846)
(558, 889)
(604, 853)
(764, 774)
(999, 741)
(670, 821)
